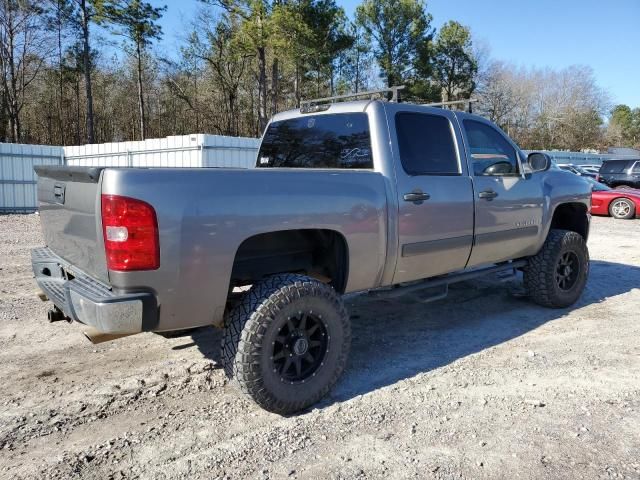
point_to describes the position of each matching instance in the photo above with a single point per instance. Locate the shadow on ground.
(395, 339)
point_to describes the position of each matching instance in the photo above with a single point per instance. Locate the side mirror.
(538, 161)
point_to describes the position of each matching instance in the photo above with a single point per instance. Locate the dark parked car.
(620, 173)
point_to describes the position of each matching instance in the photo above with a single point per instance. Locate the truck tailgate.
(69, 204)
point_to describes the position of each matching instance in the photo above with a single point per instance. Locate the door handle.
(488, 195)
(416, 197)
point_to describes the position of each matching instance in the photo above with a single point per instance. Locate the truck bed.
(204, 216)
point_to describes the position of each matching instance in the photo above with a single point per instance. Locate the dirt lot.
(482, 384)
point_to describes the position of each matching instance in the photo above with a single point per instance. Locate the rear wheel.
(555, 277)
(286, 343)
(622, 208)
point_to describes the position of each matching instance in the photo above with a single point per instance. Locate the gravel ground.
(481, 384)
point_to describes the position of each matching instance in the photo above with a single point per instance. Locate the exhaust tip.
(96, 336)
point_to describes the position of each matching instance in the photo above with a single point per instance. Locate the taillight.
(130, 230)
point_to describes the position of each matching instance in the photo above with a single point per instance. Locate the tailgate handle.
(58, 192)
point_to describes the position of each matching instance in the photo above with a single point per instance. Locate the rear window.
(426, 144)
(614, 166)
(318, 141)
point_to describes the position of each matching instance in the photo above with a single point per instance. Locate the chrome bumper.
(88, 301)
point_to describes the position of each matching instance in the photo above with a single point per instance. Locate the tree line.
(89, 71)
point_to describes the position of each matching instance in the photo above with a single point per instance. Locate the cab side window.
(426, 144)
(491, 153)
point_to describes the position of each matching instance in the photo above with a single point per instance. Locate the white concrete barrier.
(18, 180)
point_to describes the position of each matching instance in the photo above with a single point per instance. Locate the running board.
(446, 280)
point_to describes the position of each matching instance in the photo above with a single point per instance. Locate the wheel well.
(319, 253)
(571, 216)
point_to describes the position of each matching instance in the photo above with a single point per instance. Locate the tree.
(59, 20)
(400, 29)
(544, 109)
(329, 38)
(23, 48)
(256, 35)
(454, 63)
(501, 91)
(315, 34)
(246, 61)
(635, 140)
(85, 14)
(135, 20)
(74, 64)
(228, 58)
(355, 63)
(623, 127)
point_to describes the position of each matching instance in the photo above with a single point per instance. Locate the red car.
(619, 203)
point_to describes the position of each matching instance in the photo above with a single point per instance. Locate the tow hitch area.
(56, 315)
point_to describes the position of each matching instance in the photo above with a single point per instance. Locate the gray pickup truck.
(345, 197)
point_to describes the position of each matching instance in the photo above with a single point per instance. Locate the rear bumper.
(88, 301)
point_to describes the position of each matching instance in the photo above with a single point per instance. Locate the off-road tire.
(251, 329)
(631, 213)
(540, 278)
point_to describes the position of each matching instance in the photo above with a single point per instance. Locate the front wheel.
(622, 208)
(286, 343)
(556, 276)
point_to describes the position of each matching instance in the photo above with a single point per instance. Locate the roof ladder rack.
(313, 105)
(468, 101)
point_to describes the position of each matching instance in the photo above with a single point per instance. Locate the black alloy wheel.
(300, 347)
(567, 270)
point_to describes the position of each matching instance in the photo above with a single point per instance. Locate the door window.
(491, 153)
(426, 144)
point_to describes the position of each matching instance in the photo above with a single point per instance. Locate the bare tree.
(23, 50)
(85, 15)
(544, 108)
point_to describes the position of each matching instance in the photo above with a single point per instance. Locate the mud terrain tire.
(286, 343)
(556, 276)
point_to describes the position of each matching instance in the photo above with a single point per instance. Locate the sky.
(603, 34)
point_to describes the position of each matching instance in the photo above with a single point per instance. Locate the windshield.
(318, 141)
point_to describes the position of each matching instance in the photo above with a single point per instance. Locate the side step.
(440, 285)
(431, 294)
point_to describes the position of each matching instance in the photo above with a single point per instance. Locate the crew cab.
(363, 195)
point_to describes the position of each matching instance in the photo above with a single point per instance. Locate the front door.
(509, 206)
(435, 194)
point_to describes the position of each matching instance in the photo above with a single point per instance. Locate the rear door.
(69, 205)
(509, 205)
(435, 193)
